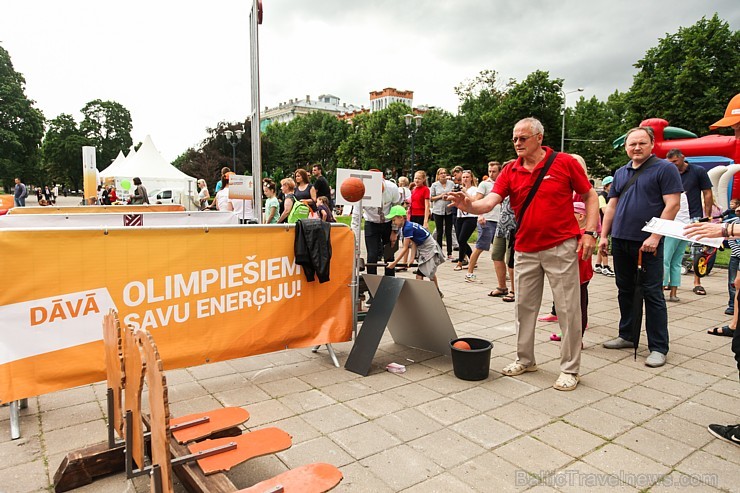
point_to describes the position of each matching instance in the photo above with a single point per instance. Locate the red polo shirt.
(549, 219)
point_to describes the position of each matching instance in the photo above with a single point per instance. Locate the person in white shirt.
(486, 222)
(673, 250)
(380, 238)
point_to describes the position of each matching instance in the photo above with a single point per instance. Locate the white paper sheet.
(674, 229)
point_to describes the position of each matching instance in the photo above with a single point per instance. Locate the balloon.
(126, 185)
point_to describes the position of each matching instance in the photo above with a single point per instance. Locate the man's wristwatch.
(591, 233)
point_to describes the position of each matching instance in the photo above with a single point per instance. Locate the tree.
(62, 151)
(107, 126)
(21, 127)
(537, 96)
(215, 152)
(689, 78)
(592, 126)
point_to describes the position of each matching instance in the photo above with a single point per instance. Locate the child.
(324, 210)
(430, 253)
(585, 270)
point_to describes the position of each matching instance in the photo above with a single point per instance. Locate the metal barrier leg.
(15, 420)
(333, 355)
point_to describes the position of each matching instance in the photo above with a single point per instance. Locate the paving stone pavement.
(626, 427)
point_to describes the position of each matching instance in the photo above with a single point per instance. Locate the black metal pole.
(233, 153)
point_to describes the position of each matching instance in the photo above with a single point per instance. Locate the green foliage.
(107, 126)
(689, 77)
(591, 127)
(62, 151)
(21, 127)
(215, 152)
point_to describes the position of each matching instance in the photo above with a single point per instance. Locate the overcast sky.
(180, 67)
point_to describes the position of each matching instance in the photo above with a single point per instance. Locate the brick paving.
(626, 428)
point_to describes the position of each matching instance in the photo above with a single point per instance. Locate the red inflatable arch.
(710, 145)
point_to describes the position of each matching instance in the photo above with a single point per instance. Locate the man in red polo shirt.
(548, 241)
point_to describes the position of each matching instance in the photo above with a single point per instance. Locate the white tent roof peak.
(149, 165)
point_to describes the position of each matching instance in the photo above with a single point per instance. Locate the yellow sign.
(89, 175)
(207, 294)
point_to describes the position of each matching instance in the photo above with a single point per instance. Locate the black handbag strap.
(534, 188)
(632, 180)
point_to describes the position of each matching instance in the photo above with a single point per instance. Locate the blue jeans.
(624, 253)
(731, 274)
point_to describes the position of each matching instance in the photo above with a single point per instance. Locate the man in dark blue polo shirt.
(655, 193)
(696, 183)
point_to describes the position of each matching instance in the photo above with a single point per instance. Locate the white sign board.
(241, 187)
(373, 181)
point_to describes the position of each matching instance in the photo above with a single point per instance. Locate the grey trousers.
(560, 264)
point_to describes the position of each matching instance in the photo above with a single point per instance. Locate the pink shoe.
(555, 337)
(547, 318)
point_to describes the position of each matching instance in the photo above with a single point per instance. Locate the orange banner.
(207, 294)
(89, 209)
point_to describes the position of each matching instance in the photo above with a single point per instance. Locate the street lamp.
(412, 129)
(562, 135)
(233, 138)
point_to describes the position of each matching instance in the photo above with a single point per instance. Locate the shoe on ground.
(730, 312)
(655, 360)
(548, 318)
(471, 278)
(566, 382)
(441, 294)
(597, 269)
(607, 271)
(729, 434)
(674, 299)
(556, 337)
(514, 369)
(618, 343)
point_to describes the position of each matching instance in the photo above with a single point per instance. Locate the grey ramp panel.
(419, 319)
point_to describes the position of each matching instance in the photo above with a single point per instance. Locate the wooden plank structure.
(131, 359)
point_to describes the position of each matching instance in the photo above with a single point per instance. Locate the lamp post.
(562, 135)
(233, 138)
(412, 129)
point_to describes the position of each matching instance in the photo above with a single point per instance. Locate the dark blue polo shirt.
(695, 179)
(644, 199)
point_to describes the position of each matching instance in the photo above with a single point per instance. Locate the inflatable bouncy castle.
(719, 154)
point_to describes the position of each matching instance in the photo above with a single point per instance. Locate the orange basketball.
(352, 189)
(462, 346)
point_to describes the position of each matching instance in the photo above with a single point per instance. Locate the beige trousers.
(560, 264)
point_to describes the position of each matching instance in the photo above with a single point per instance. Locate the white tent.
(115, 166)
(149, 165)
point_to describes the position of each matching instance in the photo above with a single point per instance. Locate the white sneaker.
(597, 269)
(607, 271)
(471, 278)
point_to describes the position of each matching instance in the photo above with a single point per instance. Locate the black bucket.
(473, 364)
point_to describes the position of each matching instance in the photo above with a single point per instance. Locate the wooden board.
(248, 446)
(159, 410)
(135, 368)
(114, 371)
(311, 478)
(219, 420)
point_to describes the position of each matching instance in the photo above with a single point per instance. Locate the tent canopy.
(149, 165)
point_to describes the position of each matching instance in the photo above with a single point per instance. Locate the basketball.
(352, 189)
(462, 346)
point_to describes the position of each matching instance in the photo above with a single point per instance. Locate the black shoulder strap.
(536, 185)
(632, 180)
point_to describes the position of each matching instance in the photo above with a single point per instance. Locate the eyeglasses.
(523, 138)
